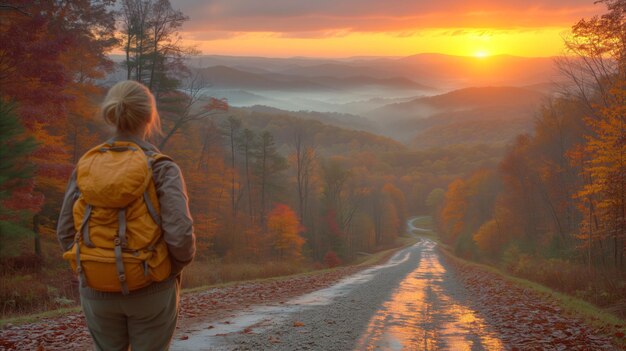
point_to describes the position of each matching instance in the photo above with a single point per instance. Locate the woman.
(152, 230)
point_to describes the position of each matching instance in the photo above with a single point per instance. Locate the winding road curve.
(412, 302)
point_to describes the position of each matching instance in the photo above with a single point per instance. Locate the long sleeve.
(65, 225)
(176, 221)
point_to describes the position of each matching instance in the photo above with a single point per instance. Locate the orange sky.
(342, 28)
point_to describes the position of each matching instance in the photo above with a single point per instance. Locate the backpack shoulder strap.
(153, 158)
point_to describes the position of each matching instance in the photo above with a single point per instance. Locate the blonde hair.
(130, 106)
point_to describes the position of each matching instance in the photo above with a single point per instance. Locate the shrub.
(331, 259)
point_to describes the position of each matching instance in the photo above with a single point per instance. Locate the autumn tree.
(603, 195)
(597, 46)
(284, 231)
(453, 212)
(51, 53)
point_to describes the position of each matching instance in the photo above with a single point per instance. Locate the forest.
(273, 193)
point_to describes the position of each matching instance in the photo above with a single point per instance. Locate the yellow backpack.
(118, 245)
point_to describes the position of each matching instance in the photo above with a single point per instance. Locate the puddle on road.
(422, 315)
(259, 317)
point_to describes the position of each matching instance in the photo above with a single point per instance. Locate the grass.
(31, 318)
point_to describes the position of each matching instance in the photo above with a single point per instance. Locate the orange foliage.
(284, 230)
(453, 211)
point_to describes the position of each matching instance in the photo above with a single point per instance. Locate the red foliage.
(217, 104)
(26, 263)
(331, 222)
(331, 259)
(24, 198)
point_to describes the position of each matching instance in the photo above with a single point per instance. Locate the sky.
(347, 28)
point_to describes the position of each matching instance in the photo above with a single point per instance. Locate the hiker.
(126, 230)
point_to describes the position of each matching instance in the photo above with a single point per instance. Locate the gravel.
(412, 301)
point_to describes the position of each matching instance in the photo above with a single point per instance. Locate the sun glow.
(473, 42)
(481, 54)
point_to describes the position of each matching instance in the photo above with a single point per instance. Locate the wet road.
(413, 302)
(427, 311)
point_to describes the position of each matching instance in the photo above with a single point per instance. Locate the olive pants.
(144, 322)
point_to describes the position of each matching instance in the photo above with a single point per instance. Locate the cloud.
(308, 18)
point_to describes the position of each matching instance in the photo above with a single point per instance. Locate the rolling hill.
(464, 116)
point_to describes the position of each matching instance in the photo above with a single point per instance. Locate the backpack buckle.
(122, 277)
(116, 241)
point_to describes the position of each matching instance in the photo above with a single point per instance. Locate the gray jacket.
(176, 222)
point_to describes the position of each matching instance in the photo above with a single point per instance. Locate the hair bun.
(130, 107)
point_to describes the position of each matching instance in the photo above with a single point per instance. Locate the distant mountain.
(440, 70)
(471, 115)
(462, 100)
(341, 70)
(359, 81)
(224, 77)
(343, 120)
(459, 71)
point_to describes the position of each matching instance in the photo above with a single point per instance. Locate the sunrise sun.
(481, 54)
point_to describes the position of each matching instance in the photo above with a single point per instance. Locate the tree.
(268, 164)
(304, 162)
(51, 53)
(596, 55)
(603, 196)
(16, 171)
(179, 108)
(434, 200)
(454, 210)
(151, 42)
(598, 69)
(231, 128)
(284, 231)
(245, 144)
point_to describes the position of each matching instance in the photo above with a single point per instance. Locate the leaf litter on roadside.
(526, 320)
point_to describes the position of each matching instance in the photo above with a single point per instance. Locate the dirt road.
(410, 303)
(413, 302)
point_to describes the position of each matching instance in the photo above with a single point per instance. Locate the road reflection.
(423, 314)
